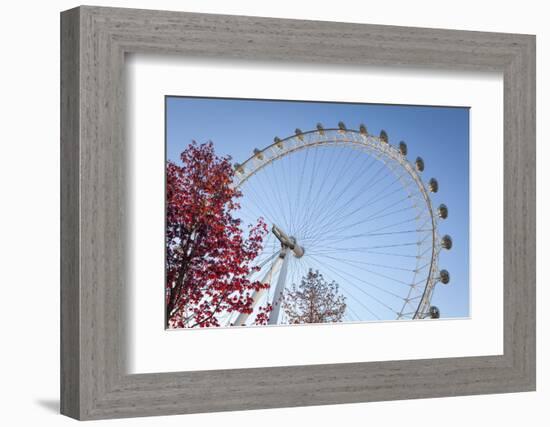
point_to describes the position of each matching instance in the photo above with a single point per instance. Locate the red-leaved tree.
(208, 257)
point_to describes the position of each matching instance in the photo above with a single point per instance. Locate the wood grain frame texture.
(94, 42)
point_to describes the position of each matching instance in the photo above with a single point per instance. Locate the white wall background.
(29, 212)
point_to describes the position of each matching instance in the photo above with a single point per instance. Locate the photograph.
(288, 212)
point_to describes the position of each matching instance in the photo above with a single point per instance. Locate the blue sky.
(440, 135)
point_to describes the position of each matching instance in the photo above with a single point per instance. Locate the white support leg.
(257, 295)
(288, 245)
(278, 294)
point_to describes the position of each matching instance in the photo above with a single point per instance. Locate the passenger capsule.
(444, 277)
(442, 211)
(258, 153)
(446, 242)
(320, 128)
(341, 126)
(363, 129)
(238, 168)
(384, 136)
(433, 185)
(278, 142)
(403, 148)
(299, 134)
(419, 163)
(434, 312)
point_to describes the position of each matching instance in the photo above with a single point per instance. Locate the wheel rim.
(270, 169)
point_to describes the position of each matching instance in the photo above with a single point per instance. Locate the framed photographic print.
(346, 212)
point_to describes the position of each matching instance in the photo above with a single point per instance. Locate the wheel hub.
(288, 241)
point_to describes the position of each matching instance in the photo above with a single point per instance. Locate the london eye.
(354, 207)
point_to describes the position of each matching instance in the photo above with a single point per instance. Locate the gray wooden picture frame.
(94, 41)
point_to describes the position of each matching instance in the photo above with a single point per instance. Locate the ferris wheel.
(351, 206)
